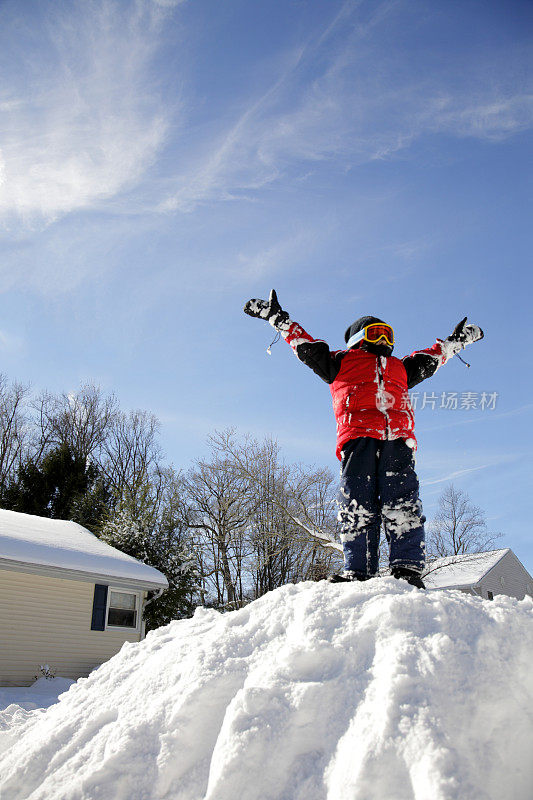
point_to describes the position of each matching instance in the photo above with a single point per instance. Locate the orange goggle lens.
(377, 331)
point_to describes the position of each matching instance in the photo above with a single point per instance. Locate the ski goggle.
(373, 333)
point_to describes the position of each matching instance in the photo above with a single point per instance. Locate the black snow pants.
(379, 484)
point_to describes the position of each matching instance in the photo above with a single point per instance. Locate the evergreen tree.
(63, 486)
(92, 508)
(157, 544)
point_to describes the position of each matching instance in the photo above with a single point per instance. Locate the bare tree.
(218, 511)
(292, 525)
(459, 527)
(81, 420)
(241, 505)
(13, 427)
(270, 532)
(312, 506)
(131, 457)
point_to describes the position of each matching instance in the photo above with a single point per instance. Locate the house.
(482, 574)
(67, 599)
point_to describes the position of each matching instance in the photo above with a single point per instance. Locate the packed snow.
(362, 691)
(31, 540)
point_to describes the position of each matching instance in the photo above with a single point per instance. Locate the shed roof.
(462, 570)
(61, 547)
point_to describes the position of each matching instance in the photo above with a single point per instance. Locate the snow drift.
(372, 691)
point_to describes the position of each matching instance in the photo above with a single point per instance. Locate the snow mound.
(373, 691)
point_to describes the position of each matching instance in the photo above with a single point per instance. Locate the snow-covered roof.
(462, 570)
(55, 546)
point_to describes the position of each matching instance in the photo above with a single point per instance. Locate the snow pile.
(373, 691)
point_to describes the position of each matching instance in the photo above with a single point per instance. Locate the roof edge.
(79, 575)
(505, 551)
(457, 586)
(463, 558)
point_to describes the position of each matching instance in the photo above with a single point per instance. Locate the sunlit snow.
(367, 691)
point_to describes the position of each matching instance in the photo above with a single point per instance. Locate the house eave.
(79, 575)
(460, 586)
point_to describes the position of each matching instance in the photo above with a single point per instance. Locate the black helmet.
(358, 325)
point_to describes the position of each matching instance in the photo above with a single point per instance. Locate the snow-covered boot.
(409, 575)
(346, 577)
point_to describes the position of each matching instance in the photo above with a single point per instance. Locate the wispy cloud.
(454, 475)
(331, 103)
(441, 465)
(276, 257)
(84, 122)
(81, 122)
(495, 116)
(231, 154)
(487, 417)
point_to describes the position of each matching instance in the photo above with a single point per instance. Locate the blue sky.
(162, 162)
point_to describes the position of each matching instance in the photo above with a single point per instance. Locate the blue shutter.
(99, 607)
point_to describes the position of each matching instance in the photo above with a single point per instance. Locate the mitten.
(464, 334)
(270, 310)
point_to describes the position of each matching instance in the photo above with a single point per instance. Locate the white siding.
(516, 578)
(46, 620)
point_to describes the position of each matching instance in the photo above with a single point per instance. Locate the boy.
(375, 434)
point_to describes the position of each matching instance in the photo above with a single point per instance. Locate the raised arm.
(423, 364)
(315, 353)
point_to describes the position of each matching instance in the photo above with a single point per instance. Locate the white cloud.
(80, 122)
(277, 257)
(230, 162)
(169, 3)
(346, 99)
(83, 122)
(494, 118)
(486, 416)
(454, 475)
(443, 464)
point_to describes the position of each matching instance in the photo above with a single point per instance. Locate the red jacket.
(370, 398)
(369, 392)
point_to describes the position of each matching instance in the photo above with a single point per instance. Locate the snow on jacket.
(369, 392)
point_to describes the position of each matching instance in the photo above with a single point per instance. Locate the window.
(502, 581)
(490, 595)
(122, 610)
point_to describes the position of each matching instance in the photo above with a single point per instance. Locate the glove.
(465, 334)
(270, 310)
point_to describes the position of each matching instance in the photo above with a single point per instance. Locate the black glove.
(267, 309)
(465, 334)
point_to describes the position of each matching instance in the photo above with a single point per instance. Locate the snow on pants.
(379, 484)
